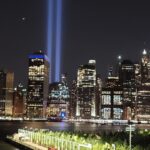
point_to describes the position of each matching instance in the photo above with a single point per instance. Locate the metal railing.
(47, 140)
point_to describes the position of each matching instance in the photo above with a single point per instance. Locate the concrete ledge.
(17, 144)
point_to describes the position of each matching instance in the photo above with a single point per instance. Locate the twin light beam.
(54, 38)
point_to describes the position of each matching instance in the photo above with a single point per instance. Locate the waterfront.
(9, 128)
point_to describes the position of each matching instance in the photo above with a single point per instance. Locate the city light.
(144, 52)
(119, 57)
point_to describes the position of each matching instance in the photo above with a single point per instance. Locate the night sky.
(90, 30)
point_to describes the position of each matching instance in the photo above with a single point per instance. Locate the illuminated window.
(106, 113)
(117, 99)
(106, 100)
(117, 113)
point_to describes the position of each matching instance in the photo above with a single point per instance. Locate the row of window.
(117, 113)
(106, 99)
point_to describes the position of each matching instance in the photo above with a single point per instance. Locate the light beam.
(54, 40)
(50, 31)
(58, 40)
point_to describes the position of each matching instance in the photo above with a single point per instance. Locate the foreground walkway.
(28, 144)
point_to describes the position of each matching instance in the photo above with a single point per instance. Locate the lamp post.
(130, 138)
(131, 128)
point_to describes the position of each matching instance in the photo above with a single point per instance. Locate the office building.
(86, 91)
(142, 105)
(112, 98)
(19, 101)
(6, 92)
(38, 82)
(127, 81)
(112, 103)
(59, 99)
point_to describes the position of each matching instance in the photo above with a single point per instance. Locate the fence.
(43, 137)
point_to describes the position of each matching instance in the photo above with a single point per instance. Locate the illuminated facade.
(86, 91)
(145, 68)
(6, 92)
(112, 99)
(38, 81)
(142, 104)
(112, 103)
(58, 103)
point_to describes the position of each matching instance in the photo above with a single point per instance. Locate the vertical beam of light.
(58, 39)
(50, 34)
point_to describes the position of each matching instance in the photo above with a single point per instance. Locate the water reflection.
(12, 127)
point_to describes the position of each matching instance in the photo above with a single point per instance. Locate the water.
(8, 128)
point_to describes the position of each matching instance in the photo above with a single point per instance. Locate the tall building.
(6, 92)
(112, 98)
(127, 81)
(137, 74)
(86, 91)
(145, 68)
(38, 83)
(19, 101)
(142, 105)
(112, 103)
(59, 98)
(98, 95)
(73, 99)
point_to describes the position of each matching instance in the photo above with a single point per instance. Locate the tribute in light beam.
(50, 18)
(54, 37)
(58, 40)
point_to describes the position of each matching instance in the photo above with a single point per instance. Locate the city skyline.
(74, 75)
(97, 31)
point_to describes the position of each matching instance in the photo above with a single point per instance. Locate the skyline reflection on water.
(7, 128)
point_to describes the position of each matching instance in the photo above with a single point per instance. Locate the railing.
(42, 138)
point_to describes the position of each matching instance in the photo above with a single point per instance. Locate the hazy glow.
(119, 57)
(58, 40)
(144, 52)
(50, 33)
(54, 38)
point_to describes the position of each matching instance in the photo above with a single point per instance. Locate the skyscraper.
(112, 98)
(145, 68)
(127, 81)
(38, 81)
(86, 90)
(59, 98)
(6, 92)
(19, 100)
(142, 104)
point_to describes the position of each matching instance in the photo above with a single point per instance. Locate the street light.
(130, 129)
